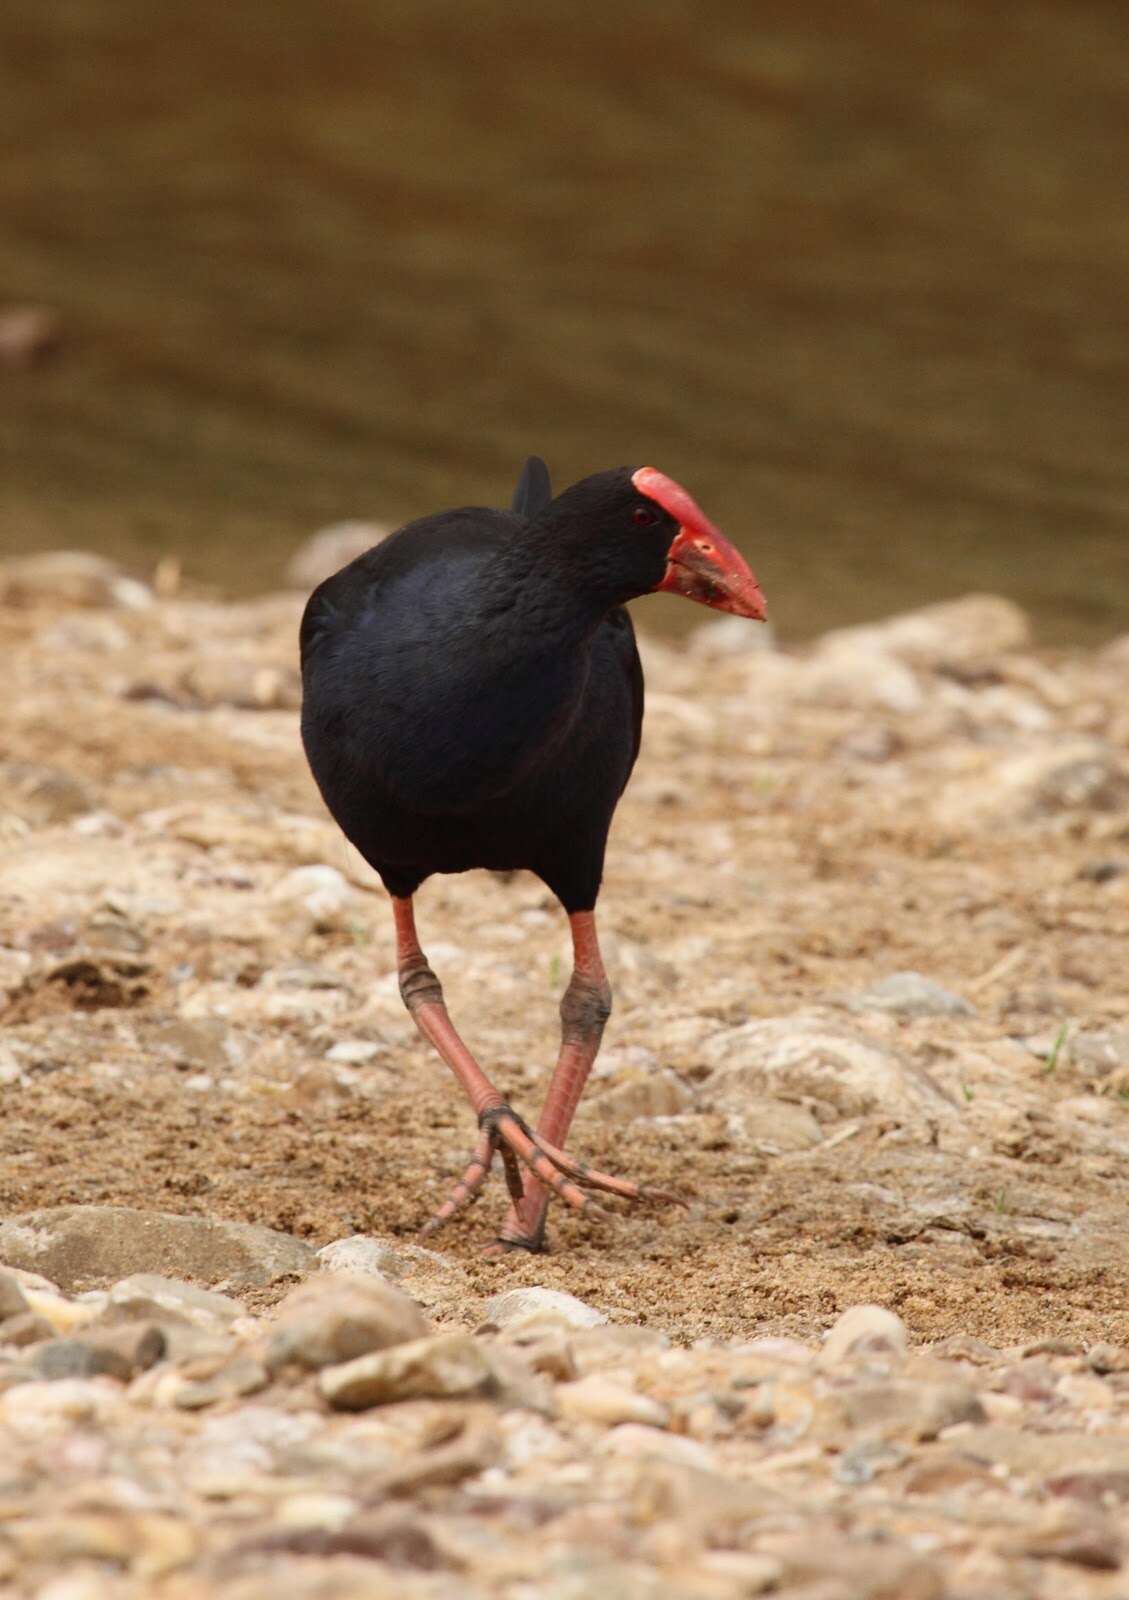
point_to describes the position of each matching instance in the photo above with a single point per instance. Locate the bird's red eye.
(644, 517)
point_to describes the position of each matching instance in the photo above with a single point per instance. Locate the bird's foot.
(504, 1132)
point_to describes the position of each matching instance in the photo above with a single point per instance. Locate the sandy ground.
(195, 1024)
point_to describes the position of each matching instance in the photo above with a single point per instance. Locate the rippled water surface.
(859, 275)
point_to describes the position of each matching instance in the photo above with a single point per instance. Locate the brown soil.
(170, 1018)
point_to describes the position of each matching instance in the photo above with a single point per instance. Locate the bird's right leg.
(499, 1125)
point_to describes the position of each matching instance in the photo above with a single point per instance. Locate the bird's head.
(701, 564)
(634, 531)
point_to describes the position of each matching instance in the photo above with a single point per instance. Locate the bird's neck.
(561, 597)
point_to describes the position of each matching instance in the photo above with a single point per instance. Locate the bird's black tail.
(534, 488)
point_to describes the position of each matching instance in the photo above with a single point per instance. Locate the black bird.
(473, 697)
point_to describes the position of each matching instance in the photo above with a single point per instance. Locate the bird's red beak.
(701, 564)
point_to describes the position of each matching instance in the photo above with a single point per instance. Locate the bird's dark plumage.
(472, 697)
(460, 713)
(534, 488)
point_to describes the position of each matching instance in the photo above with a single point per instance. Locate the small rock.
(1090, 783)
(911, 994)
(1108, 1358)
(25, 1329)
(148, 1296)
(242, 681)
(328, 550)
(1099, 1053)
(916, 1411)
(149, 1544)
(599, 1399)
(322, 892)
(361, 1253)
(69, 577)
(521, 1305)
(94, 1358)
(353, 1052)
(329, 1320)
(773, 1127)
(831, 1064)
(449, 1366)
(963, 633)
(864, 1331)
(42, 795)
(1070, 1533)
(12, 1302)
(658, 1093)
(842, 674)
(729, 636)
(743, 1572)
(638, 1440)
(36, 1408)
(80, 1245)
(234, 1379)
(316, 1510)
(595, 1349)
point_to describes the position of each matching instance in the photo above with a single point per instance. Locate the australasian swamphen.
(473, 697)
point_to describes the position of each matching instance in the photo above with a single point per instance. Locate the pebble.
(1099, 1052)
(12, 1302)
(353, 1052)
(836, 1066)
(599, 1399)
(636, 1439)
(864, 1331)
(966, 632)
(361, 1253)
(323, 893)
(911, 994)
(657, 1093)
(337, 1318)
(522, 1305)
(235, 1378)
(70, 577)
(445, 1367)
(80, 1245)
(147, 1295)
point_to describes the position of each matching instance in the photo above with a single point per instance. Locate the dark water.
(858, 274)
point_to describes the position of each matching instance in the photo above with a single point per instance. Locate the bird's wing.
(618, 632)
(534, 488)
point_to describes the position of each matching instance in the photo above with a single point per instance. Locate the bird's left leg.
(499, 1125)
(585, 1008)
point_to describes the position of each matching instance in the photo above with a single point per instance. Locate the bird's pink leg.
(500, 1127)
(423, 996)
(585, 1007)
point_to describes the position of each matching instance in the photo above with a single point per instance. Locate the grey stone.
(25, 1329)
(602, 1400)
(965, 632)
(1099, 1053)
(79, 1358)
(241, 1376)
(360, 1252)
(12, 1301)
(148, 1296)
(336, 1318)
(83, 1246)
(863, 1331)
(911, 994)
(905, 1410)
(448, 1366)
(521, 1305)
(834, 1065)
